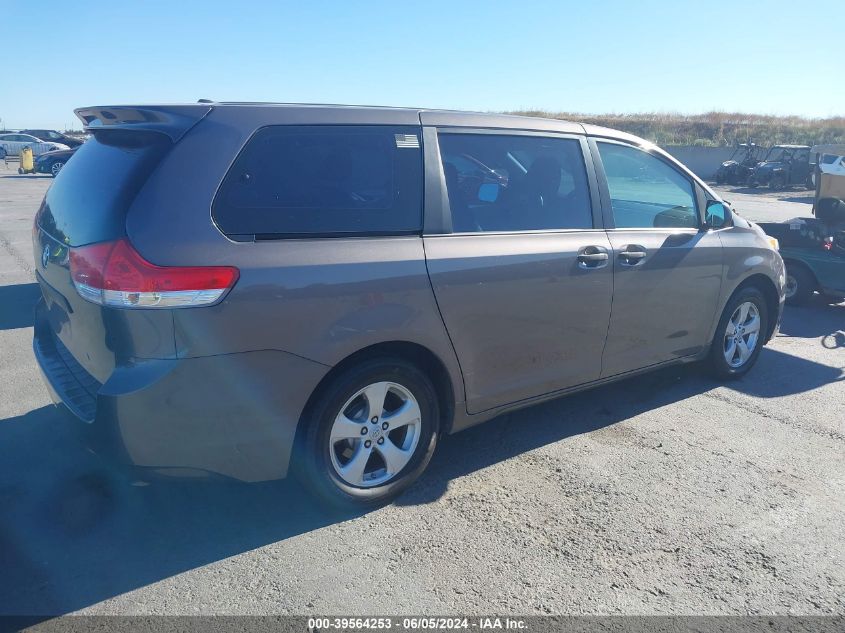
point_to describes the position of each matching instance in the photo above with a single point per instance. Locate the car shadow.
(805, 199)
(745, 189)
(74, 533)
(17, 305)
(818, 319)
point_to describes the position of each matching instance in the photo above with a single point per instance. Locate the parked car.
(736, 169)
(784, 166)
(52, 136)
(254, 289)
(12, 144)
(813, 251)
(52, 162)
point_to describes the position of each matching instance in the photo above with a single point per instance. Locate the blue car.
(52, 162)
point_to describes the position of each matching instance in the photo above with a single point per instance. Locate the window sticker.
(407, 140)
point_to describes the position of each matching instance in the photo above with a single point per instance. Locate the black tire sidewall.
(717, 356)
(804, 280)
(313, 463)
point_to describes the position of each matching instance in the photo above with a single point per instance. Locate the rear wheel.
(56, 167)
(800, 284)
(370, 434)
(740, 334)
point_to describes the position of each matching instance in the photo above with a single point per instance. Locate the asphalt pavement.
(665, 494)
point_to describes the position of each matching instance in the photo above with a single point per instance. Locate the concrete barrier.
(702, 161)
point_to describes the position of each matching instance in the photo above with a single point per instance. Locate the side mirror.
(717, 215)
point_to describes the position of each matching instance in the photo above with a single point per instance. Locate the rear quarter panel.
(321, 299)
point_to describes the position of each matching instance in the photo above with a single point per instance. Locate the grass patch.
(713, 129)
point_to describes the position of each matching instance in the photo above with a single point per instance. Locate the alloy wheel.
(375, 434)
(742, 334)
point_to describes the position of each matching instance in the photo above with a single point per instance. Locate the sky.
(774, 57)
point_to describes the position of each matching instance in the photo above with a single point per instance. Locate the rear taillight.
(115, 274)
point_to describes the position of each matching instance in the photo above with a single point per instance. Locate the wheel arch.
(770, 292)
(419, 355)
(790, 261)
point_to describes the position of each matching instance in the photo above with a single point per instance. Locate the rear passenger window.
(515, 183)
(646, 192)
(324, 180)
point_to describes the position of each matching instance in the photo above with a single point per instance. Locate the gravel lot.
(665, 494)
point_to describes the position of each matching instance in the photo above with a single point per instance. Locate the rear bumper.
(233, 415)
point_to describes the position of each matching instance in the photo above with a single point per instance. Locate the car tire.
(800, 284)
(777, 182)
(747, 308)
(347, 466)
(56, 167)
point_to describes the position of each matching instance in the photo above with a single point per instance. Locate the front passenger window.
(646, 192)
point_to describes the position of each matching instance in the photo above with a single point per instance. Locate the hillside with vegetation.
(714, 129)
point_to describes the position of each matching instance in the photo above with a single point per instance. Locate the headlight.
(773, 242)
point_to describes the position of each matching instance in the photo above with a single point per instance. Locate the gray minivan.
(248, 289)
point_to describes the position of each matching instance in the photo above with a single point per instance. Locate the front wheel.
(55, 168)
(740, 334)
(800, 285)
(369, 434)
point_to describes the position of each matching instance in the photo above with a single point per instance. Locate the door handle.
(632, 255)
(592, 257)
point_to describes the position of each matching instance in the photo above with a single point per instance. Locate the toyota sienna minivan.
(255, 289)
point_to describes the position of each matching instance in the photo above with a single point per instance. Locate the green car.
(814, 253)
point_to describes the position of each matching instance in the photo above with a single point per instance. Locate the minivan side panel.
(320, 299)
(524, 317)
(663, 308)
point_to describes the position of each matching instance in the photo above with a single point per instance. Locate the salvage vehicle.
(784, 166)
(252, 289)
(813, 251)
(736, 169)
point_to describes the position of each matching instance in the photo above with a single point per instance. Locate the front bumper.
(234, 415)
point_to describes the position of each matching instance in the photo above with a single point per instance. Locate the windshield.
(778, 154)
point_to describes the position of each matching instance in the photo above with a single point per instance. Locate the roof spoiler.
(173, 121)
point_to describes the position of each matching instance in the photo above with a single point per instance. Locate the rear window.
(89, 199)
(294, 181)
